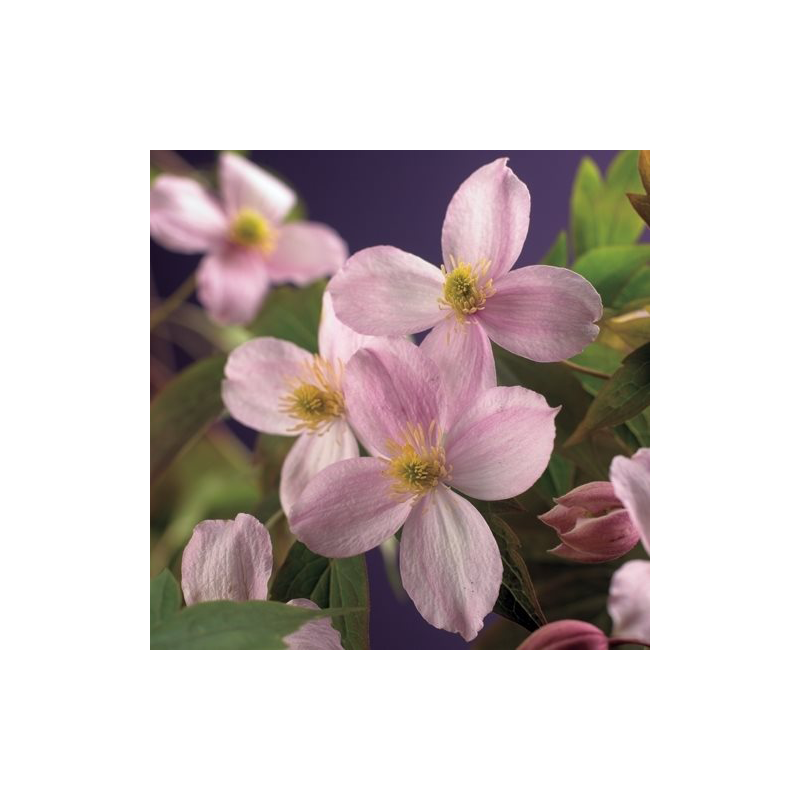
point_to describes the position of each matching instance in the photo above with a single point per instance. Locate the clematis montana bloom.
(629, 593)
(232, 560)
(495, 448)
(247, 242)
(592, 524)
(539, 312)
(276, 387)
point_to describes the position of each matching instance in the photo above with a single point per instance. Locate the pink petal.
(594, 497)
(256, 376)
(450, 563)
(566, 634)
(629, 601)
(631, 480)
(502, 443)
(463, 354)
(488, 219)
(185, 217)
(337, 341)
(389, 388)
(599, 539)
(310, 454)
(347, 509)
(386, 292)
(244, 185)
(542, 313)
(227, 560)
(319, 634)
(232, 284)
(305, 252)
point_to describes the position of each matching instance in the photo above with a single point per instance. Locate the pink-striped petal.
(227, 560)
(244, 185)
(487, 219)
(337, 341)
(184, 216)
(347, 509)
(593, 541)
(305, 252)
(256, 380)
(385, 292)
(629, 601)
(463, 354)
(310, 454)
(390, 388)
(319, 634)
(232, 284)
(631, 480)
(594, 497)
(542, 313)
(449, 563)
(501, 444)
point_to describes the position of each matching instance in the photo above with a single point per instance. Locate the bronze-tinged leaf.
(641, 205)
(644, 169)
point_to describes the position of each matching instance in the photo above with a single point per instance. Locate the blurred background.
(370, 198)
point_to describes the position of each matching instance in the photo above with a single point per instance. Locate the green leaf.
(292, 314)
(165, 597)
(329, 582)
(586, 191)
(556, 256)
(183, 409)
(611, 268)
(517, 599)
(624, 395)
(557, 479)
(225, 625)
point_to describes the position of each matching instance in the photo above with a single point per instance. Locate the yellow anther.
(417, 461)
(465, 288)
(315, 396)
(250, 229)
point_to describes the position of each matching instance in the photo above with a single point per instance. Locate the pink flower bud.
(592, 524)
(566, 634)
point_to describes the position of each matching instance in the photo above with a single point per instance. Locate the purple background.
(399, 198)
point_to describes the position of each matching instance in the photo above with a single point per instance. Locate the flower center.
(417, 462)
(250, 229)
(315, 397)
(465, 288)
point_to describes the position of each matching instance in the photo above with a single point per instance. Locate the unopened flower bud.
(566, 634)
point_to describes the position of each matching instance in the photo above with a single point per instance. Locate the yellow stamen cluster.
(465, 288)
(315, 396)
(250, 229)
(417, 461)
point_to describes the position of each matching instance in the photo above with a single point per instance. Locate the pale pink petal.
(232, 284)
(631, 480)
(629, 601)
(257, 376)
(487, 219)
(464, 356)
(386, 292)
(348, 508)
(319, 634)
(310, 454)
(227, 560)
(566, 634)
(598, 539)
(337, 341)
(389, 388)
(542, 313)
(184, 216)
(450, 563)
(305, 252)
(594, 497)
(501, 444)
(244, 185)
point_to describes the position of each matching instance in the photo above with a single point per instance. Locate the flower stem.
(274, 519)
(182, 293)
(586, 370)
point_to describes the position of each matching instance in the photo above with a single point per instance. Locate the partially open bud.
(592, 524)
(566, 634)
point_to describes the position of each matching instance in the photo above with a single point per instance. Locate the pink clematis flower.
(497, 447)
(276, 387)
(247, 242)
(232, 560)
(629, 593)
(539, 312)
(592, 524)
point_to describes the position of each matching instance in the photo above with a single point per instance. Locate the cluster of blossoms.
(435, 426)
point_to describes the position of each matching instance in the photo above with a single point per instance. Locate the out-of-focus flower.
(232, 560)
(629, 601)
(247, 242)
(397, 404)
(631, 480)
(276, 387)
(566, 634)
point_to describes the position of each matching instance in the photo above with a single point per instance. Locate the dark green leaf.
(165, 597)
(611, 268)
(291, 314)
(556, 256)
(557, 479)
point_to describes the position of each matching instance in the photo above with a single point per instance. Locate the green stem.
(274, 519)
(182, 293)
(595, 373)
